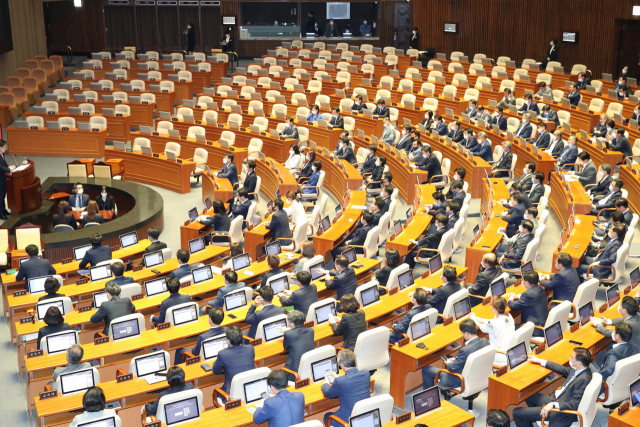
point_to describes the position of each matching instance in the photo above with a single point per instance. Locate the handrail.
(69, 52)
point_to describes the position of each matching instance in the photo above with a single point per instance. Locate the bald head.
(489, 260)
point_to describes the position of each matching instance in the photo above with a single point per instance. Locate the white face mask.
(621, 93)
(414, 32)
(573, 366)
(365, 22)
(368, 152)
(600, 175)
(377, 164)
(525, 171)
(79, 191)
(307, 157)
(619, 307)
(456, 177)
(225, 160)
(291, 152)
(104, 195)
(624, 71)
(466, 136)
(523, 120)
(386, 125)
(404, 132)
(580, 80)
(611, 188)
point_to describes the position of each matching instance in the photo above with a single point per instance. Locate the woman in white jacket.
(293, 162)
(500, 329)
(295, 209)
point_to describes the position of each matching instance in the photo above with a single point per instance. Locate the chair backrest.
(618, 382)
(588, 406)
(176, 397)
(371, 349)
(454, 298)
(130, 289)
(371, 242)
(135, 316)
(586, 293)
(260, 330)
(523, 335)
(28, 236)
(132, 365)
(384, 228)
(477, 370)
(172, 146)
(430, 314)
(382, 402)
(392, 282)
(236, 390)
(559, 313)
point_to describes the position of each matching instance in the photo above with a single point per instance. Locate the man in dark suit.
(458, 176)
(622, 205)
(490, 271)
(387, 191)
(235, 359)
(344, 277)
(382, 110)
(290, 130)
(95, 255)
(274, 269)
(184, 269)
(175, 298)
(370, 161)
(565, 282)
(635, 116)
(550, 115)
(456, 133)
(302, 298)
(458, 193)
(529, 105)
(468, 140)
(229, 170)
(331, 30)
(568, 155)
(419, 302)
(268, 310)
(112, 309)
(606, 258)
(431, 241)
(588, 173)
(439, 204)
(376, 209)
(406, 141)
(231, 284)
(472, 111)
(279, 223)
(251, 179)
(153, 235)
(600, 129)
(573, 95)
(583, 81)
(537, 188)
(297, 341)
(5, 168)
(216, 316)
(504, 162)
(532, 302)
(344, 151)
(34, 266)
(358, 104)
(525, 129)
(628, 310)
(284, 408)
(603, 182)
(566, 398)
(117, 269)
(621, 349)
(241, 206)
(621, 144)
(175, 378)
(438, 297)
(430, 164)
(608, 200)
(358, 236)
(447, 381)
(513, 258)
(336, 122)
(483, 149)
(526, 180)
(542, 137)
(79, 201)
(439, 126)
(515, 214)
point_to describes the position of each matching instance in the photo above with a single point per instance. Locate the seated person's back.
(93, 214)
(175, 298)
(235, 359)
(34, 266)
(55, 323)
(184, 269)
(97, 254)
(114, 308)
(302, 298)
(268, 310)
(175, 378)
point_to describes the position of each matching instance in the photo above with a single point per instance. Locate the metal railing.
(67, 49)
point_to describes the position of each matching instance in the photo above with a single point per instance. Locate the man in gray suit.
(114, 308)
(74, 362)
(279, 223)
(587, 175)
(526, 180)
(290, 130)
(297, 341)
(483, 114)
(628, 309)
(507, 100)
(231, 284)
(389, 133)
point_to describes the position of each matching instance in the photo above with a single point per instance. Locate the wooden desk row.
(141, 114)
(165, 99)
(218, 68)
(118, 127)
(57, 142)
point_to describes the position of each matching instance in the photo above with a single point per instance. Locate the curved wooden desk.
(118, 127)
(567, 197)
(418, 226)
(57, 142)
(632, 185)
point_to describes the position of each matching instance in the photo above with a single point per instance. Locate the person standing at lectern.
(3, 188)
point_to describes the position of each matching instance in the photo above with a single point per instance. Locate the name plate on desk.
(627, 290)
(394, 291)
(603, 308)
(137, 267)
(302, 383)
(193, 360)
(19, 293)
(48, 394)
(232, 404)
(575, 327)
(500, 372)
(540, 348)
(486, 301)
(153, 424)
(185, 285)
(178, 161)
(83, 309)
(82, 281)
(67, 260)
(35, 353)
(137, 297)
(308, 324)
(123, 378)
(624, 408)
(447, 321)
(115, 248)
(156, 155)
(404, 417)
(155, 134)
(403, 342)
(100, 340)
(165, 325)
(30, 319)
(256, 342)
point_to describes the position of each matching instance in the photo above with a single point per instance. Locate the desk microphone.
(22, 161)
(14, 159)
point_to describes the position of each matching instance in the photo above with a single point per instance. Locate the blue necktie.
(78, 201)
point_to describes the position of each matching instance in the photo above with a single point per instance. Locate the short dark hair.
(392, 256)
(527, 225)
(51, 285)
(442, 218)
(539, 176)
(618, 183)
(564, 259)
(279, 203)
(606, 168)
(154, 233)
(616, 216)
(420, 295)
(93, 400)
(273, 261)
(497, 418)
(531, 166)
(53, 316)
(175, 376)
(216, 315)
(460, 171)
(96, 240)
(583, 356)
(304, 278)
(117, 268)
(317, 164)
(454, 206)
(380, 101)
(349, 304)
(31, 250)
(183, 256)
(296, 317)
(517, 197)
(243, 192)
(251, 164)
(3, 142)
(388, 176)
(533, 211)
(457, 185)
(113, 289)
(630, 304)
(266, 292)
(621, 202)
(499, 303)
(368, 216)
(231, 277)
(278, 379)
(379, 203)
(388, 189)
(373, 148)
(230, 156)
(234, 335)
(531, 277)
(438, 195)
(173, 284)
(584, 156)
(468, 326)
(624, 331)
(620, 231)
(449, 273)
(342, 261)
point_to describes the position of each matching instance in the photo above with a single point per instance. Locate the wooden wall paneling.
(121, 26)
(170, 33)
(147, 28)
(84, 29)
(190, 14)
(211, 27)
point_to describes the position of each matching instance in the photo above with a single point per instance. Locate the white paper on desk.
(152, 379)
(204, 217)
(216, 270)
(249, 273)
(571, 178)
(21, 167)
(358, 207)
(84, 213)
(350, 220)
(251, 409)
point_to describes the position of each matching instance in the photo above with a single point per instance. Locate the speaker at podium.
(23, 188)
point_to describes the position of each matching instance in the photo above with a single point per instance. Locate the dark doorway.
(629, 48)
(402, 25)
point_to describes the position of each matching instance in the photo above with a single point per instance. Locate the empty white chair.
(172, 146)
(371, 349)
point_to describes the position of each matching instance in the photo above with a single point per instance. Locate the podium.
(23, 190)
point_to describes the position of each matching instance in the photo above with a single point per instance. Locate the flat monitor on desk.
(182, 411)
(324, 312)
(553, 334)
(241, 261)
(634, 393)
(435, 263)
(76, 382)
(517, 355)
(326, 223)
(527, 267)
(498, 288)
(99, 298)
(462, 308)
(60, 342)
(254, 390)
(271, 330)
(155, 286)
(125, 329)
(420, 328)
(634, 276)
(212, 346)
(41, 308)
(324, 366)
(280, 285)
(193, 214)
(426, 401)
(201, 274)
(235, 300)
(350, 254)
(100, 272)
(315, 275)
(586, 313)
(152, 259)
(613, 295)
(196, 245)
(128, 239)
(370, 296)
(405, 279)
(36, 284)
(369, 419)
(185, 315)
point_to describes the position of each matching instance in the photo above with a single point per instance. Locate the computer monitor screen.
(368, 419)
(405, 279)
(78, 253)
(150, 364)
(273, 248)
(271, 329)
(397, 227)
(527, 267)
(181, 411)
(36, 284)
(153, 259)
(324, 312)
(475, 230)
(212, 346)
(77, 381)
(61, 342)
(634, 276)
(185, 315)
(324, 366)
(235, 300)
(193, 214)
(409, 213)
(586, 313)
(370, 295)
(338, 208)
(420, 328)
(253, 390)
(613, 295)
(270, 205)
(99, 298)
(125, 329)
(207, 202)
(462, 308)
(350, 254)
(241, 261)
(128, 239)
(313, 270)
(202, 274)
(41, 309)
(279, 285)
(426, 401)
(517, 355)
(104, 422)
(435, 263)
(326, 223)
(498, 288)
(100, 272)
(553, 334)
(257, 219)
(634, 393)
(155, 286)
(22, 260)
(196, 245)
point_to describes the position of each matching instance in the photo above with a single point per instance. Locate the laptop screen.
(613, 295)
(212, 346)
(553, 334)
(77, 381)
(181, 411)
(196, 245)
(270, 205)
(527, 267)
(273, 248)
(271, 329)
(41, 309)
(405, 279)
(280, 284)
(409, 213)
(462, 308)
(150, 364)
(185, 315)
(128, 239)
(338, 208)
(634, 276)
(315, 274)
(325, 311)
(517, 355)
(104, 422)
(155, 286)
(326, 223)
(475, 230)
(498, 288)
(193, 214)
(435, 263)
(634, 393)
(202, 274)
(36, 285)
(78, 253)
(241, 261)
(253, 390)
(60, 342)
(426, 401)
(125, 329)
(22, 260)
(99, 298)
(420, 328)
(586, 313)
(257, 219)
(235, 300)
(100, 272)
(369, 296)
(368, 419)
(207, 202)
(350, 254)
(153, 259)
(324, 366)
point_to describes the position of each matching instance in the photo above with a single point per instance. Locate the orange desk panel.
(57, 142)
